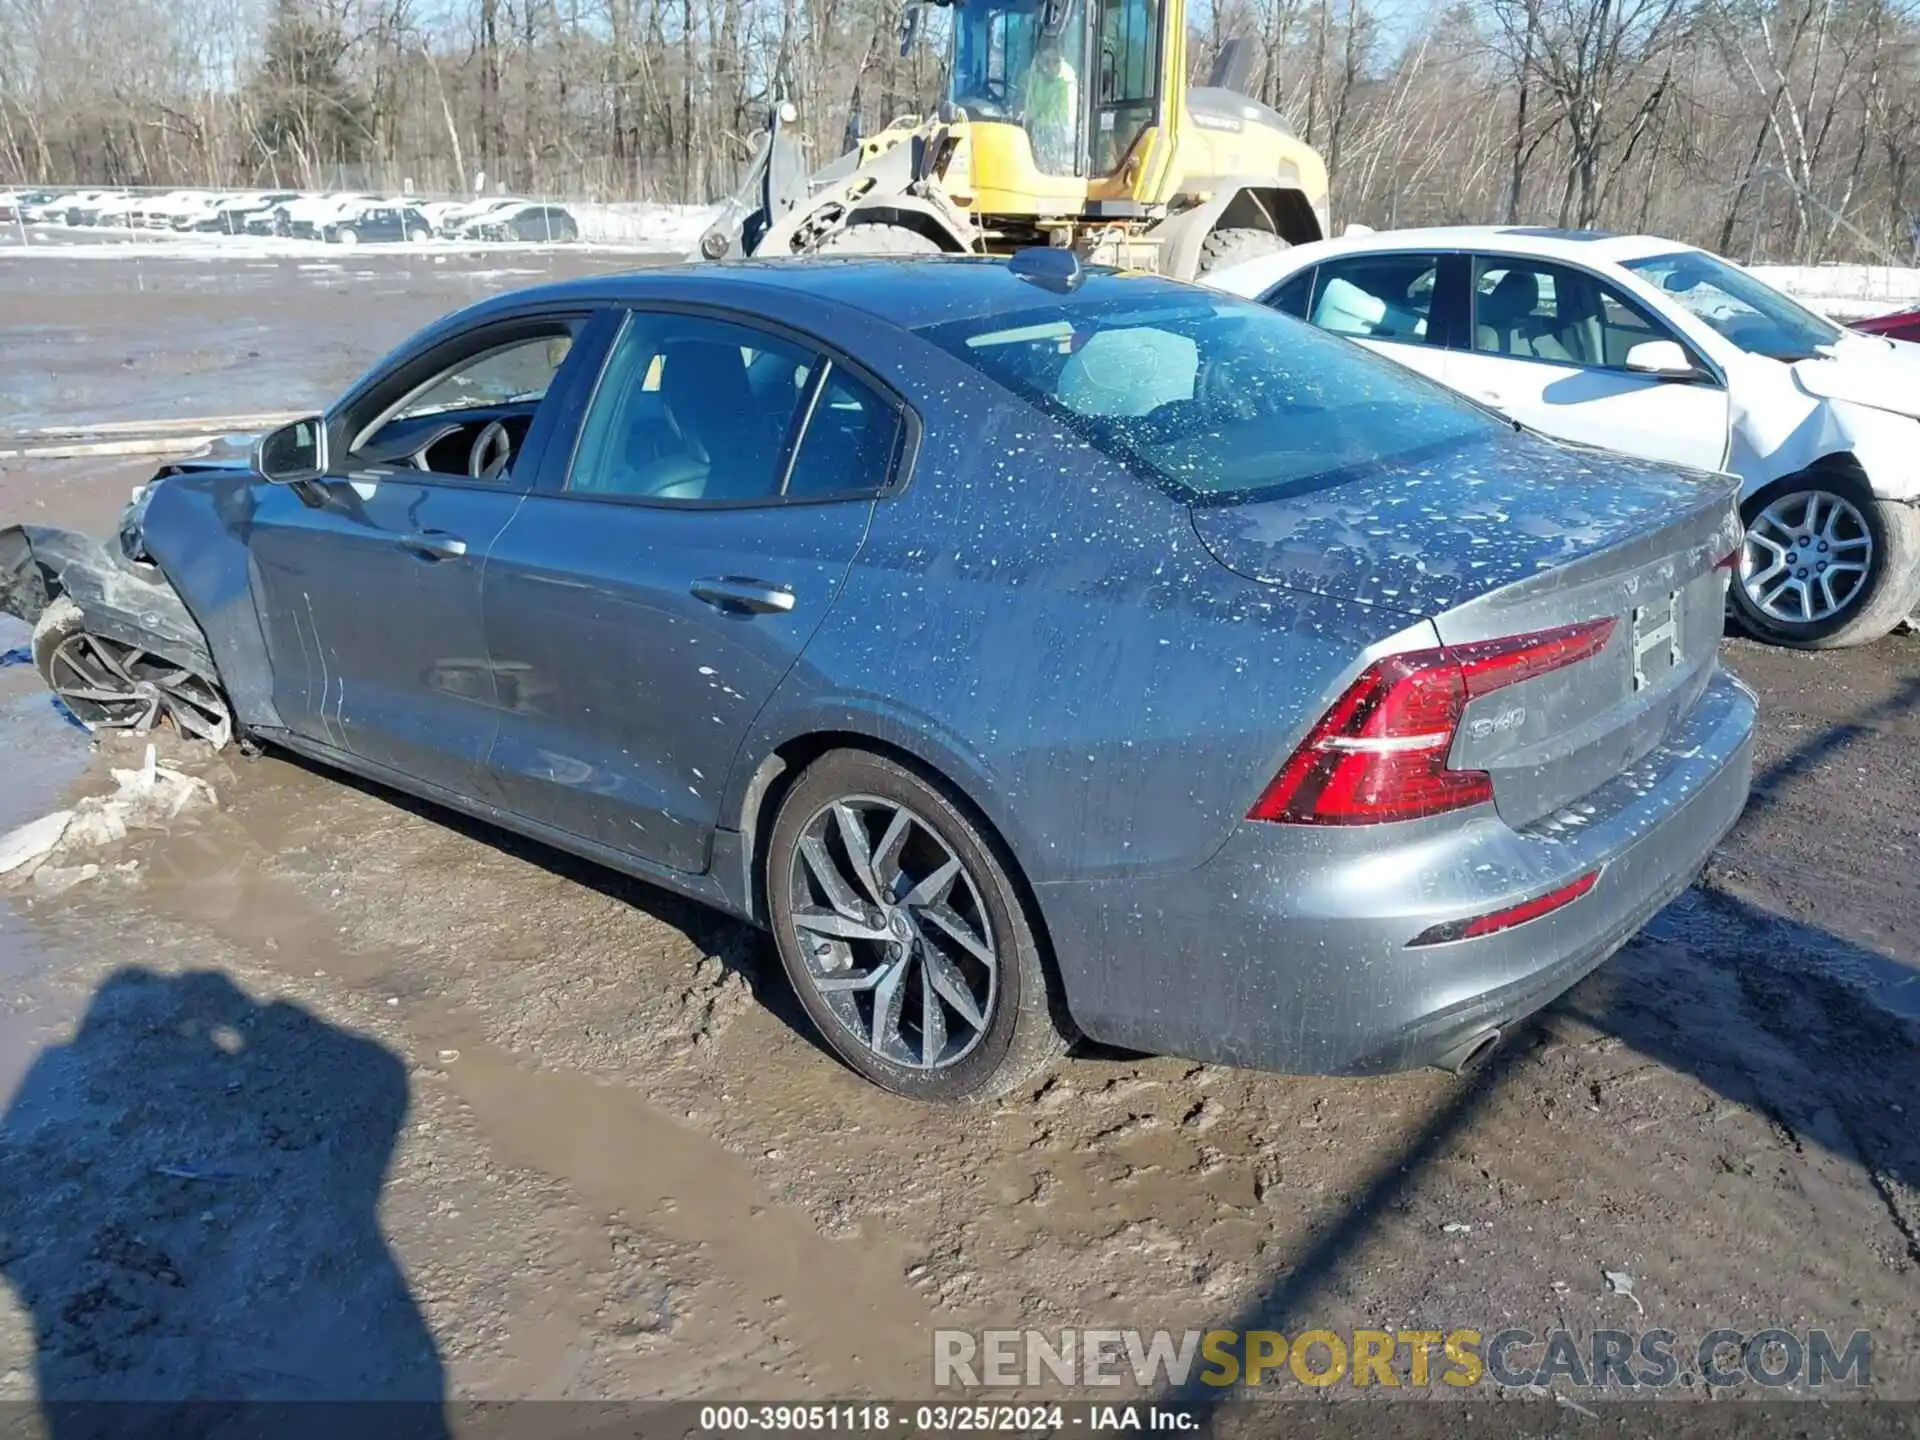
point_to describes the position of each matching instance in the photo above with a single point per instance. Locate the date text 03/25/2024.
(944, 1419)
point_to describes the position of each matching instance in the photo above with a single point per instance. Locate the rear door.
(1548, 346)
(645, 602)
(368, 584)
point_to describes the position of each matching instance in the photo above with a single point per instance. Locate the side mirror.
(293, 454)
(1663, 359)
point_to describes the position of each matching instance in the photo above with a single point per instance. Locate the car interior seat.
(726, 437)
(1506, 322)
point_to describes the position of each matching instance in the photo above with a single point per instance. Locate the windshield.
(1008, 66)
(1746, 312)
(1221, 399)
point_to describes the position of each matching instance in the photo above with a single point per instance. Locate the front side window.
(516, 374)
(470, 418)
(1376, 297)
(1217, 398)
(1744, 310)
(1541, 311)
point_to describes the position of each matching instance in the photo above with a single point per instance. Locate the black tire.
(1867, 610)
(1229, 247)
(879, 239)
(1023, 1030)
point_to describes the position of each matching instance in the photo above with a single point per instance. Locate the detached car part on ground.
(1032, 651)
(1656, 349)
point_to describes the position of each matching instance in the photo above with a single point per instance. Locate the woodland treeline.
(1776, 129)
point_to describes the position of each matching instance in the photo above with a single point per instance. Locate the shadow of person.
(188, 1195)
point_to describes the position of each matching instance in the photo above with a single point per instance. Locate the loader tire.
(1230, 247)
(879, 239)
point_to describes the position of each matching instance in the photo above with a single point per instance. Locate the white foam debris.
(32, 842)
(149, 798)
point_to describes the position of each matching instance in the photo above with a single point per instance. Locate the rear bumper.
(1289, 949)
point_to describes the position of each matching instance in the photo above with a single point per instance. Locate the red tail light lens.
(1380, 753)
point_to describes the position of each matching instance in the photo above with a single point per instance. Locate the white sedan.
(1659, 350)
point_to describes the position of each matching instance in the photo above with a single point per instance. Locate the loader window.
(1008, 66)
(1128, 56)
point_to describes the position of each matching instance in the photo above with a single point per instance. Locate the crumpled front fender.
(122, 599)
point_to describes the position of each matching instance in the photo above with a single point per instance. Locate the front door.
(368, 583)
(642, 610)
(1548, 346)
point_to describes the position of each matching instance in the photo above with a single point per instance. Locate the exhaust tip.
(1467, 1056)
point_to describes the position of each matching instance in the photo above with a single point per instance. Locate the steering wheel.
(492, 449)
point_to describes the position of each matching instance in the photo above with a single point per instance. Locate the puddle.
(44, 746)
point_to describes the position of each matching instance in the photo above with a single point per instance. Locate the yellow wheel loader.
(1066, 123)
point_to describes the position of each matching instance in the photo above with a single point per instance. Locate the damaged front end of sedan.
(111, 636)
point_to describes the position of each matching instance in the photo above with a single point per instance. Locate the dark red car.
(1903, 325)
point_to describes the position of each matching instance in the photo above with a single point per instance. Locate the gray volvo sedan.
(1033, 650)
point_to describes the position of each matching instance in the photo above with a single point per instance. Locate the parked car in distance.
(1656, 349)
(307, 216)
(380, 222)
(232, 214)
(457, 219)
(97, 207)
(527, 224)
(14, 204)
(1031, 649)
(1902, 325)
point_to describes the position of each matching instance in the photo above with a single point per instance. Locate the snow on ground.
(637, 228)
(1847, 292)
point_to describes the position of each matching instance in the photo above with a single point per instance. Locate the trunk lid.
(1509, 539)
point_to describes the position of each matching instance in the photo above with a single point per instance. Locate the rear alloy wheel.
(109, 685)
(1825, 565)
(903, 935)
(1231, 247)
(878, 240)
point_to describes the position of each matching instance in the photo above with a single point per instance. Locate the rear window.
(1221, 399)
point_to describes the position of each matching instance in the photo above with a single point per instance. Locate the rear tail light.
(1380, 753)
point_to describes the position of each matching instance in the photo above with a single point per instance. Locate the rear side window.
(1376, 297)
(1295, 296)
(1217, 397)
(696, 410)
(849, 441)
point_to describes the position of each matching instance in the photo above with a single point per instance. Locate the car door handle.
(733, 592)
(434, 545)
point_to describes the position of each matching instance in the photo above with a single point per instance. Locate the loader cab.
(1082, 78)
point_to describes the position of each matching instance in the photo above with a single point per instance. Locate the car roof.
(1548, 242)
(910, 293)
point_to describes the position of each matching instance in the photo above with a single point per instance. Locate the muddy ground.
(331, 1093)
